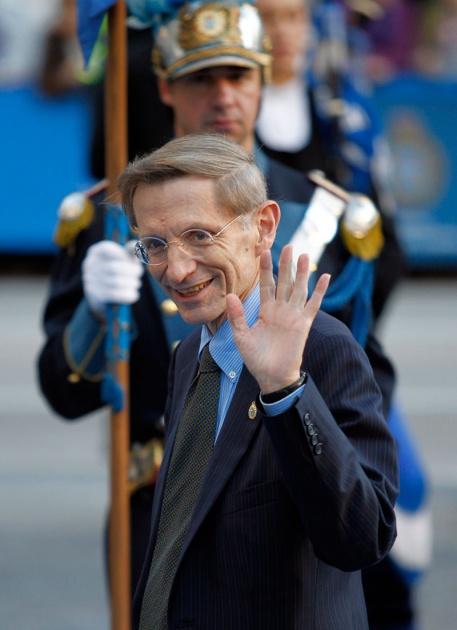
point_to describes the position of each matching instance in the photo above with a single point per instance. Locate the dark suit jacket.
(285, 520)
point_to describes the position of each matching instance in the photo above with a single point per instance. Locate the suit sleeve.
(337, 456)
(71, 399)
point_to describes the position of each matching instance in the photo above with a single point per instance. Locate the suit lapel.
(234, 438)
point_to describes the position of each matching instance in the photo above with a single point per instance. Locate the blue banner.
(420, 116)
(90, 18)
(44, 157)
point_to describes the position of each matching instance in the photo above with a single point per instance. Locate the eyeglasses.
(152, 250)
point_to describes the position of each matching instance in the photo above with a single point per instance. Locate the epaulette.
(361, 228)
(76, 213)
(361, 224)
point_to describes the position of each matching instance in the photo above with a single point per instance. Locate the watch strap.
(279, 394)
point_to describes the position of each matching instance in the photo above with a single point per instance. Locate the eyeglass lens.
(153, 250)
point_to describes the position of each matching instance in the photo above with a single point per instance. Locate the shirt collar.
(222, 344)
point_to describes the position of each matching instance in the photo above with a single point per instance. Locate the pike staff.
(118, 339)
(116, 382)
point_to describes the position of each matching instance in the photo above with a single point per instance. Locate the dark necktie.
(191, 452)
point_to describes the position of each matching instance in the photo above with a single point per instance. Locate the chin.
(197, 317)
(212, 318)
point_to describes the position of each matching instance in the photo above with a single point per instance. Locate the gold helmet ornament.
(193, 35)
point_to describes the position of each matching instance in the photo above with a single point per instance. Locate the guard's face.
(198, 286)
(223, 100)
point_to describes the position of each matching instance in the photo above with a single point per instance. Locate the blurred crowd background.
(418, 36)
(403, 52)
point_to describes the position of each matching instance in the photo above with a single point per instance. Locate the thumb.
(235, 314)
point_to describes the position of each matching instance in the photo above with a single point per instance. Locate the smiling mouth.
(193, 290)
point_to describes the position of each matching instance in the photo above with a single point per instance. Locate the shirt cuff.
(84, 344)
(277, 408)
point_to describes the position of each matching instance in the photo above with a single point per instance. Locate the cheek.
(251, 107)
(191, 100)
(244, 261)
(156, 272)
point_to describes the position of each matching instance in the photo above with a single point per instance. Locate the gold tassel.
(75, 214)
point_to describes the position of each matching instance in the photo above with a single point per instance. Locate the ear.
(165, 92)
(268, 216)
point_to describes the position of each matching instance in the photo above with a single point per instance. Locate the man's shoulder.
(326, 325)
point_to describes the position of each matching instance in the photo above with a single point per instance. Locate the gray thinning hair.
(239, 183)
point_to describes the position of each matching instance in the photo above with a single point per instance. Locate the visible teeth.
(195, 289)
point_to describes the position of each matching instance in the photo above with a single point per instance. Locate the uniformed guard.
(212, 59)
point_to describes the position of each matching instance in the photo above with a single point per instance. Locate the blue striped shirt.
(225, 353)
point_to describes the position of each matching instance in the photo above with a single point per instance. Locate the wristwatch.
(279, 394)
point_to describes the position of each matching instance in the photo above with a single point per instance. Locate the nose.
(223, 91)
(179, 265)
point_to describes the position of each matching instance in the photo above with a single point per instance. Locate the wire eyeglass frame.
(142, 251)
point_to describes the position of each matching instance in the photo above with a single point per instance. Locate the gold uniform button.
(73, 378)
(169, 308)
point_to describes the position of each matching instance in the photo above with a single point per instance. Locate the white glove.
(111, 274)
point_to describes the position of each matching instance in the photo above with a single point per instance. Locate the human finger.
(235, 314)
(299, 294)
(315, 301)
(267, 282)
(285, 274)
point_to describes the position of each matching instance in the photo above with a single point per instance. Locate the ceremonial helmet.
(193, 35)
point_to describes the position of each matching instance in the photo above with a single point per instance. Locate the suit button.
(311, 430)
(314, 439)
(318, 449)
(307, 419)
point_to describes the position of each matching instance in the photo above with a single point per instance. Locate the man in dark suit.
(90, 272)
(297, 494)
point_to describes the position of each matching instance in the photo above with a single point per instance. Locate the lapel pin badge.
(252, 411)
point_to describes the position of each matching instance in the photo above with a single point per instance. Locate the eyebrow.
(193, 226)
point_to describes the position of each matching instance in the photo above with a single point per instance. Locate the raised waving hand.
(273, 348)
